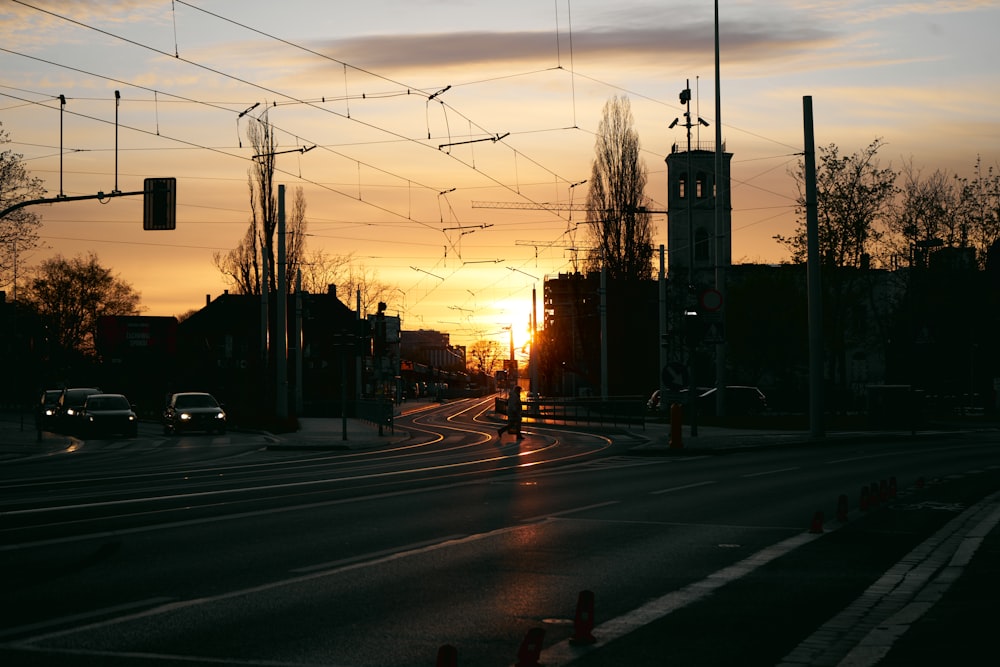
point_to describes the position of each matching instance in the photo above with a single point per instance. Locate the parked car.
(193, 411)
(47, 409)
(70, 403)
(108, 414)
(741, 401)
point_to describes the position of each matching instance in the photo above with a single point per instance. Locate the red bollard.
(583, 623)
(816, 527)
(676, 426)
(447, 656)
(531, 648)
(842, 508)
(873, 495)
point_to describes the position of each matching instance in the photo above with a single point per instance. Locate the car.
(108, 414)
(741, 400)
(47, 409)
(71, 400)
(193, 411)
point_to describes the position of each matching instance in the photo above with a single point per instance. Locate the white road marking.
(565, 653)
(683, 488)
(890, 606)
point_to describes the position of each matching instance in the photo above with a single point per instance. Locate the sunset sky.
(394, 173)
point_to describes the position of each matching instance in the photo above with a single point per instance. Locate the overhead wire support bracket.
(494, 139)
(304, 149)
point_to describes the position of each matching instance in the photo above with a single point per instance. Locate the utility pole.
(813, 273)
(281, 316)
(721, 258)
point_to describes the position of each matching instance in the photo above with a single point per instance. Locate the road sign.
(710, 300)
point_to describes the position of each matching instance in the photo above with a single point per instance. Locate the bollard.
(873, 495)
(676, 426)
(883, 491)
(530, 651)
(816, 527)
(447, 656)
(583, 623)
(842, 508)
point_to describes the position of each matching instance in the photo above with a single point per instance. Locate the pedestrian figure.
(513, 424)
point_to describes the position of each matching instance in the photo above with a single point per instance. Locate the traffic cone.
(447, 656)
(583, 623)
(864, 499)
(531, 648)
(816, 527)
(842, 508)
(892, 488)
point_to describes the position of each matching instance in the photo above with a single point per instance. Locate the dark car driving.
(193, 411)
(68, 409)
(108, 414)
(47, 409)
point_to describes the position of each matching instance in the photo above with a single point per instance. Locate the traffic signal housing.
(159, 210)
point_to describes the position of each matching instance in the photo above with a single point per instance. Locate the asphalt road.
(220, 550)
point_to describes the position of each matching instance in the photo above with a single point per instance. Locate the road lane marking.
(564, 653)
(907, 590)
(76, 618)
(683, 488)
(769, 472)
(375, 556)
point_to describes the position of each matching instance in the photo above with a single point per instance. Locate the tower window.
(700, 188)
(682, 186)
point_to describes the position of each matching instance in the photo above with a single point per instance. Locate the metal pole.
(604, 331)
(692, 398)
(62, 107)
(721, 233)
(117, 100)
(662, 408)
(281, 316)
(813, 271)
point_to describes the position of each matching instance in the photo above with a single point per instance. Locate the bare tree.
(18, 229)
(486, 356)
(619, 227)
(854, 197)
(71, 294)
(979, 209)
(243, 266)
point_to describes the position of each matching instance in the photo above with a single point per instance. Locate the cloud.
(651, 43)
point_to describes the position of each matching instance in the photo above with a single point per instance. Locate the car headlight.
(70, 411)
(131, 418)
(185, 416)
(220, 415)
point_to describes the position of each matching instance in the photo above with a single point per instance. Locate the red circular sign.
(711, 300)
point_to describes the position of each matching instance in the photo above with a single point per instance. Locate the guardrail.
(377, 411)
(612, 411)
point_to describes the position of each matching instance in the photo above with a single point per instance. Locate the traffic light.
(159, 210)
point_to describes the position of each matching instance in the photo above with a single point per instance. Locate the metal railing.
(612, 411)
